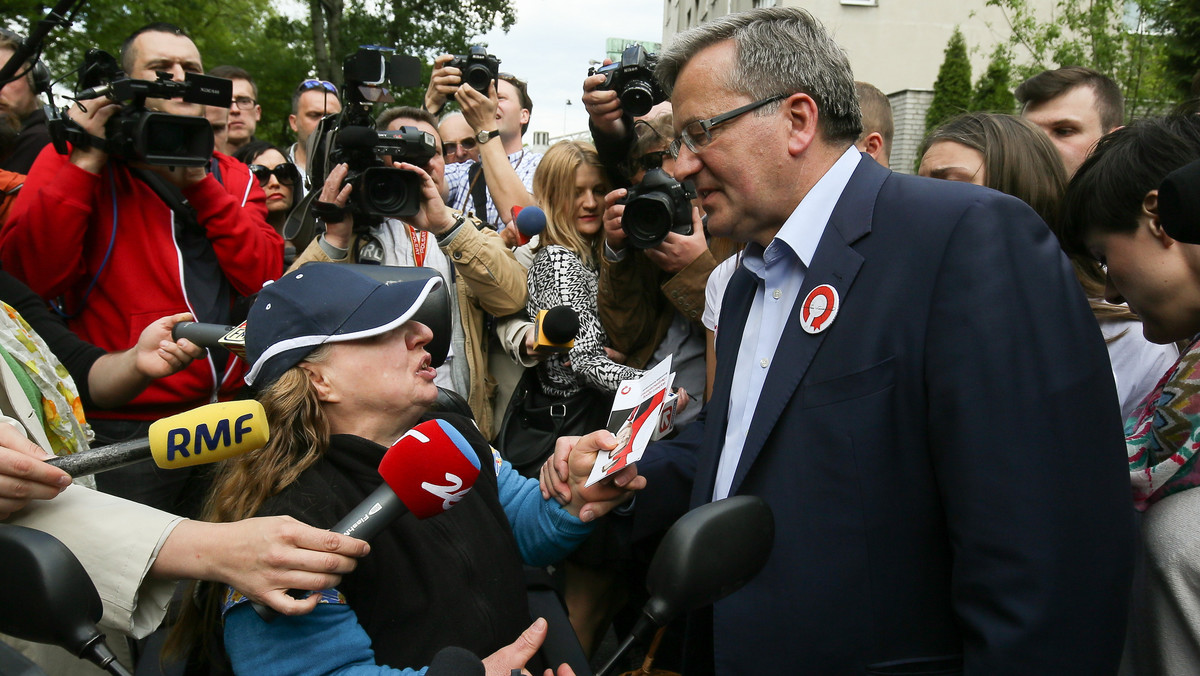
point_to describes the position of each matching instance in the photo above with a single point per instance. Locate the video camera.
(136, 134)
(656, 207)
(478, 68)
(633, 80)
(380, 190)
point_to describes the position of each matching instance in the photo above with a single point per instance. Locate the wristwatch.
(485, 136)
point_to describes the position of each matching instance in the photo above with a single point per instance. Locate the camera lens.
(479, 77)
(637, 98)
(648, 219)
(387, 191)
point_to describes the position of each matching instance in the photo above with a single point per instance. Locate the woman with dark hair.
(279, 178)
(1010, 154)
(342, 371)
(1111, 213)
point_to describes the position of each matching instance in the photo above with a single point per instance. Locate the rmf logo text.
(180, 439)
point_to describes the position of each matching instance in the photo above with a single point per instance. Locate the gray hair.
(780, 50)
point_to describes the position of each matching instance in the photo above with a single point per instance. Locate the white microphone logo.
(450, 493)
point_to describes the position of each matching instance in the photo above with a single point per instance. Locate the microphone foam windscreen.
(455, 661)
(430, 468)
(561, 324)
(208, 434)
(531, 221)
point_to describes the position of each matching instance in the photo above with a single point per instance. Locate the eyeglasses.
(317, 84)
(698, 134)
(285, 172)
(244, 102)
(450, 147)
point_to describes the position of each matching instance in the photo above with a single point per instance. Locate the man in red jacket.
(91, 232)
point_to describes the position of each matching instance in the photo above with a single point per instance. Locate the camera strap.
(208, 295)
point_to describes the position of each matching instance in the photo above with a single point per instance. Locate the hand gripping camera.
(633, 80)
(656, 207)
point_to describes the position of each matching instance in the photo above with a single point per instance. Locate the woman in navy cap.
(343, 372)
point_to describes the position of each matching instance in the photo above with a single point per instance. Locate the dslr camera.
(136, 134)
(380, 190)
(479, 69)
(633, 80)
(656, 207)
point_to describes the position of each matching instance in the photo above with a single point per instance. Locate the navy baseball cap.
(1179, 203)
(323, 303)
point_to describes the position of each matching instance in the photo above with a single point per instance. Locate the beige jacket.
(495, 284)
(636, 298)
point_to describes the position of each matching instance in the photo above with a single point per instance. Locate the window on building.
(864, 3)
(764, 3)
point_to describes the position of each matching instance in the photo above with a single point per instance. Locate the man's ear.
(524, 116)
(292, 123)
(873, 146)
(1149, 216)
(320, 382)
(801, 111)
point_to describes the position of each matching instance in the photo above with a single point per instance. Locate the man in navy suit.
(909, 374)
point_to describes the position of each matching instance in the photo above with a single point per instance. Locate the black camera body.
(479, 69)
(136, 134)
(656, 207)
(379, 188)
(633, 80)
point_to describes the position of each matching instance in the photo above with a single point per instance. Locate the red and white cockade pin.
(819, 308)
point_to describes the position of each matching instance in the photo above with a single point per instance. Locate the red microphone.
(426, 472)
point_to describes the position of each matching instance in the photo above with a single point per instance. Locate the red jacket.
(59, 234)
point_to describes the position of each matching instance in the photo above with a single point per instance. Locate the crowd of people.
(970, 407)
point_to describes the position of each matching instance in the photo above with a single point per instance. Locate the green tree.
(992, 92)
(1179, 20)
(1105, 35)
(952, 89)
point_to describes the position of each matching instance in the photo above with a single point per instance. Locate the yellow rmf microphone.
(556, 329)
(200, 436)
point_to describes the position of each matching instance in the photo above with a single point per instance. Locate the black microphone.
(232, 338)
(455, 661)
(556, 329)
(426, 472)
(197, 437)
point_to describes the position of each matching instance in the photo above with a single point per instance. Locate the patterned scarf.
(1163, 436)
(62, 409)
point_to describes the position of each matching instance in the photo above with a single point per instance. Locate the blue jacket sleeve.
(545, 531)
(328, 640)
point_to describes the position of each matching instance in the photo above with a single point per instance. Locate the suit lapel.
(834, 263)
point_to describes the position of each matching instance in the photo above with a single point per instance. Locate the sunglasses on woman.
(285, 172)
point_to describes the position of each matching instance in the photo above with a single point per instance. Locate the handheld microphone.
(200, 436)
(530, 221)
(232, 338)
(426, 472)
(556, 329)
(455, 661)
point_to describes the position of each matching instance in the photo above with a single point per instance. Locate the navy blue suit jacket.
(945, 461)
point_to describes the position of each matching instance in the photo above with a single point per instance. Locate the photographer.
(95, 232)
(20, 108)
(435, 236)
(650, 300)
(503, 176)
